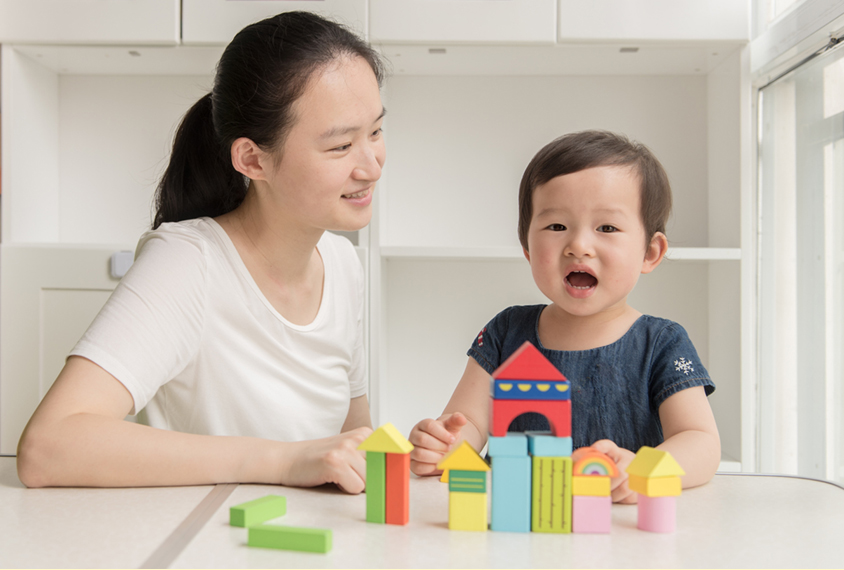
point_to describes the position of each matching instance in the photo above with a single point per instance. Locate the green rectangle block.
(290, 538)
(258, 511)
(551, 495)
(466, 481)
(376, 487)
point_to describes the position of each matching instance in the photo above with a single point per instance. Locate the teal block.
(376, 487)
(543, 444)
(511, 494)
(511, 445)
(258, 511)
(290, 538)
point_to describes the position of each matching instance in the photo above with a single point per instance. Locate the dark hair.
(261, 73)
(587, 149)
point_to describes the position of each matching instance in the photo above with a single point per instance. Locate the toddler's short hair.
(587, 149)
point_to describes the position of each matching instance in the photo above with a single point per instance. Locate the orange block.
(398, 488)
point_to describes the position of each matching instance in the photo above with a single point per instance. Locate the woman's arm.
(691, 435)
(358, 415)
(78, 437)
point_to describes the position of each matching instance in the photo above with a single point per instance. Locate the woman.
(238, 329)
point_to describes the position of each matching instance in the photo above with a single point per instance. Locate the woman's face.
(334, 152)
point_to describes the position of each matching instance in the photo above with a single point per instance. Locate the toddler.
(592, 212)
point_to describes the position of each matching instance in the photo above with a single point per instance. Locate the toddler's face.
(587, 241)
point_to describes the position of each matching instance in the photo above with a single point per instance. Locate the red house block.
(503, 412)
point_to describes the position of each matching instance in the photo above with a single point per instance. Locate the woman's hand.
(333, 459)
(621, 493)
(432, 439)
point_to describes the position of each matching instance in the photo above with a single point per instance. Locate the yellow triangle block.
(463, 457)
(386, 439)
(650, 462)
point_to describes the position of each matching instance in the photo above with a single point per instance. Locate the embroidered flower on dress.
(683, 366)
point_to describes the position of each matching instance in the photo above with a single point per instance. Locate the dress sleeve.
(488, 344)
(675, 365)
(151, 326)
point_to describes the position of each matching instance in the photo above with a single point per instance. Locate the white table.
(734, 521)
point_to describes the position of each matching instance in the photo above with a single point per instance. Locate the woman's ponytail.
(200, 179)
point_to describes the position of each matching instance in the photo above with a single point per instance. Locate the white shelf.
(451, 253)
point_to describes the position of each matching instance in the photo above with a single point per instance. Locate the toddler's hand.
(333, 459)
(431, 440)
(621, 493)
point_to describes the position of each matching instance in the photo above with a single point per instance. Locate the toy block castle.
(655, 475)
(387, 476)
(467, 494)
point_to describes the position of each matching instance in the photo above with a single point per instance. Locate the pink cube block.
(591, 514)
(657, 514)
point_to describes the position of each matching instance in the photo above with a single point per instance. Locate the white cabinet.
(654, 20)
(90, 21)
(217, 21)
(469, 21)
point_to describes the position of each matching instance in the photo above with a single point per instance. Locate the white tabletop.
(734, 521)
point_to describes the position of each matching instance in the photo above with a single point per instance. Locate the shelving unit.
(467, 109)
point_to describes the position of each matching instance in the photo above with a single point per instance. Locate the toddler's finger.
(428, 441)
(437, 430)
(422, 455)
(455, 422)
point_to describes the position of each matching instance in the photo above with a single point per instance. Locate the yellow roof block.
(386, 439)
(650, 462)
(463, 458)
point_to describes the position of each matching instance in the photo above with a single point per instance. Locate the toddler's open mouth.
(581, 280)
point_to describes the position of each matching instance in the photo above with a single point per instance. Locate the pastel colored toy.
(387, 476)
(527, 363)
(558, 413)
(654, 473)
(590, 485)
(511, 445)
(591, 514)
(546, 445)
(511, 493)
(656, 514)
(257, 511)
(551, 494)
(467, 497)
(593, 462)
(290, 538)
(530, 390)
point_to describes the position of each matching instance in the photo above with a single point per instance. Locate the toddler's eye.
(607, 228)
(557, 228)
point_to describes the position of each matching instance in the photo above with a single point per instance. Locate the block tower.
(591, 500)
(467, 494)
(387, 476)
(531, 472)
(655, 475)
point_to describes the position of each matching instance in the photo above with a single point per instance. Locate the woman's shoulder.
(189, 234)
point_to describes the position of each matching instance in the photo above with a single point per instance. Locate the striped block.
(258, 511)
(290, 538)
(551, 494)
(511, 496)
(466, 481)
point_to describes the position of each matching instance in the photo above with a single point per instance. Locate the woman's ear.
(655, 252)
(248, 159)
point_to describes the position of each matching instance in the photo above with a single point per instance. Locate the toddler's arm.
(465, 417)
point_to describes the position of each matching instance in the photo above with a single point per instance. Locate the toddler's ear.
(655, 252)
(526, 254)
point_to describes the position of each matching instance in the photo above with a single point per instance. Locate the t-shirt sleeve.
(675, 365)
(151, 326)
(487, 347)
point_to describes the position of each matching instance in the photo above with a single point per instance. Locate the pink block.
(591, 514)
(657, 514)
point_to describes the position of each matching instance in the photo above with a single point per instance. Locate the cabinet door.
(48, 297)
(217, 21)
(89, 21)
(609, 20)
(515, 21)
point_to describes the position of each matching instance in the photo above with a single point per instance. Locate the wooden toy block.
(546, 445)
(650, 462)
(463, 457)
(386, 439)
(258, 511)
(657, 514)
(466, 481)
(590, 486)
(551, 494)
(593, 462)
(591, 514)
(558, 413)
(527, 363)
(511, 498)
(397, 495)
(290, 538)
(511, 445)
(376, 486)
(467, 511)
(530, 390)
(655, 486)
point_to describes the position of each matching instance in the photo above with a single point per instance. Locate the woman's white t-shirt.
(201, 349)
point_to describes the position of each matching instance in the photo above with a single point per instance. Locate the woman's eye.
(343, 147)
(377, 132)
(557, 228)
(607, 229)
